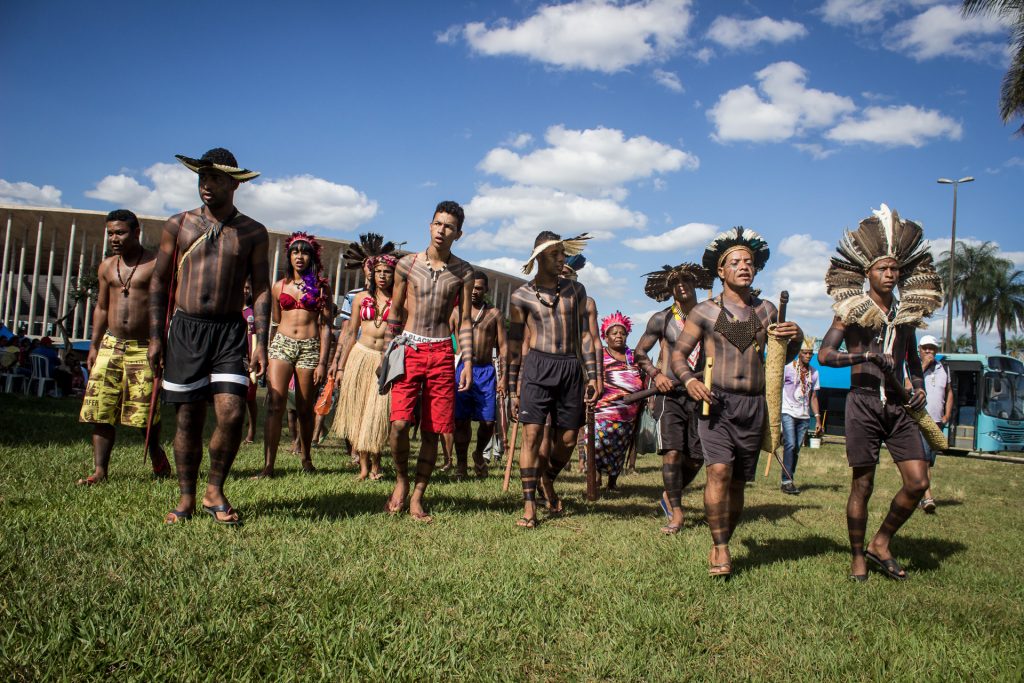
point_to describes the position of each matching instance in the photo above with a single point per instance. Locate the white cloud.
(598, 35)
(817, 152)
(741, 34)
(803, 276)
(704, 55)
(519, 140)
(522, 211)
(789, 107)
(838, 12)
(285, 203)
(941, 31)
(669, 80)
(29, 194)
(896, 126)
(502, 264)
(684, 237)
(593, 161)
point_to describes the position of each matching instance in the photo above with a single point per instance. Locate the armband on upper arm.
(516, 331)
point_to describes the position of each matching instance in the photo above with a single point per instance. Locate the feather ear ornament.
(884, 235)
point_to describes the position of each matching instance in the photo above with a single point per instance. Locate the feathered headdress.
(299, 236)
(730, 240)
(614, 319)
(576, 262)
(313, 284)
(808, 344)
(884, 235)
(370, 245)
(660, 283)
(573, 246)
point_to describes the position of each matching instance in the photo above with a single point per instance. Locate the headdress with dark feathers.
(729, 240)
(370, 245)
(575, 262)
(884, 235)
(660, 283)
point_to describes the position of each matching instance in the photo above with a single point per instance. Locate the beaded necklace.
(554, 301)
(126, 284)
(739, 333)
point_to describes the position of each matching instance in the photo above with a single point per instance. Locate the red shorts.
(430, 376)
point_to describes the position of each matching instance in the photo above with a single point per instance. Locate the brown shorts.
(869, 423)
(731, 434)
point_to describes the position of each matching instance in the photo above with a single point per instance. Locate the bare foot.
(421, 516)
(376, 476)
(92, 479)
(396, 503)
(249, 439)
(265, 473)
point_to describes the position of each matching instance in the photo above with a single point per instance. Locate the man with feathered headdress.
(887, 252)
(732, 329)
(675, 412)
(553, 310)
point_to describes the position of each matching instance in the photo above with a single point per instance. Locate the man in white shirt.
(799, 402)
(939, 401)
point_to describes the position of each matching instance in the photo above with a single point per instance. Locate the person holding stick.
(428, 285)
(121, 381)
(733, 329)
(478, 403)
(554, 311)
(888, 252)
(210, 252)
(674, 410)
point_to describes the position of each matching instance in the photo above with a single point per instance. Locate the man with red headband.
(733, 329)
(209, 253)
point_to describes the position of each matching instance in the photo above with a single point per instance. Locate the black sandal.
(527, 522)
(889, 567)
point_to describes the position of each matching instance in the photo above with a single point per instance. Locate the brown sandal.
(722, 569)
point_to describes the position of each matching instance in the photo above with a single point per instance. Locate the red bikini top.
(289, 303)
(368, 309)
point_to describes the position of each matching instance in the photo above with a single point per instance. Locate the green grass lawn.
(320, 584)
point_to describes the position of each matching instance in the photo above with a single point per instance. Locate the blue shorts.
(477, 402)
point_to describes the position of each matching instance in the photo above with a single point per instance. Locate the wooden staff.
(709, 364)
(591, 462)
(158, 376)
(510, 451)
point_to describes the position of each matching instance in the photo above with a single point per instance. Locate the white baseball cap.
(929, 340)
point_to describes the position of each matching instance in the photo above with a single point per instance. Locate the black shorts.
(552, 385)
(869, 423)
(677, 416)
(204, 356)
(731, 434)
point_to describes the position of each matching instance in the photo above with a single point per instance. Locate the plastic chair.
(40, 375)
(8, 378)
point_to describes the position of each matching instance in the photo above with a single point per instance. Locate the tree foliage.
(1011, 99)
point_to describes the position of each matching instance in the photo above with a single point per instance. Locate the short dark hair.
(481, 275)
(124, 216)
(453, 208)
(546, 236)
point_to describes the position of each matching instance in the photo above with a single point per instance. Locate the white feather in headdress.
(572, 245)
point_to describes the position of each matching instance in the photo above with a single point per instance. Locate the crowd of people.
(419, 346)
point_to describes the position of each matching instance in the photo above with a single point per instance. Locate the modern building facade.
(47, 253)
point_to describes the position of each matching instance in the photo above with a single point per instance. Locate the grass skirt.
(363, 415)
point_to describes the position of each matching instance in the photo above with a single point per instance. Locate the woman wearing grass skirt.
(613, 422)
(299, 349)
(363, 415)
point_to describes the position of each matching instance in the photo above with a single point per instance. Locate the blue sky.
(650, 124)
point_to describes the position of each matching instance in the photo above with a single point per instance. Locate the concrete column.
(17, 286)
(103, 253)
(86, 331)
(62, 309)
(337, 278)
(49, 283)
(81, 267)
(35, 278)
(4, 275)
(277, 255)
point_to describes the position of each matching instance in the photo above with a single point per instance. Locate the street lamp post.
(948, 343)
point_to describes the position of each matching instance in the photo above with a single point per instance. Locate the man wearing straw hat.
(733, 330)
(800, 386)
(554, 310)
(209, 253)
(675, 411)
(878, 330)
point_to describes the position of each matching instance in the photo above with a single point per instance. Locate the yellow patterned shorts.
(121, 384)
(302, 353)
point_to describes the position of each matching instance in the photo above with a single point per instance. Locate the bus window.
(1018, 397)
(998, 397)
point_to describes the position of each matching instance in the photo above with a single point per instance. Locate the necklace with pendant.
(554, 301)
(478, 318)
(126, 284)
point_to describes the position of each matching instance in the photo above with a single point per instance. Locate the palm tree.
(1011, 99)
(1002, 305)
(962, 344)
(1015, 346)
(975, 266)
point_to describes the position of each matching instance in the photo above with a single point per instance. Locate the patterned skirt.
(611, 444)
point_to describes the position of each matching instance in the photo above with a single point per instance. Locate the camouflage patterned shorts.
(302, 353)
(120, 385)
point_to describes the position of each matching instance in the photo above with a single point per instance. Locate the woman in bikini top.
(368, 327)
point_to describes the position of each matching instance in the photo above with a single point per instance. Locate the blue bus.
(988, 400)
